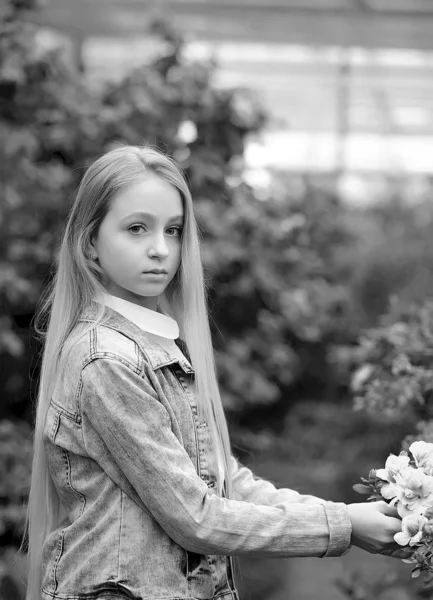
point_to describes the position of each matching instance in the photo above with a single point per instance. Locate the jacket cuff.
(340, 529)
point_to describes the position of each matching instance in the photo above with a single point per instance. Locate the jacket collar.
(156, 355)
(148, 320)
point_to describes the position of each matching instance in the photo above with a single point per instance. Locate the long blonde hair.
(77, 279)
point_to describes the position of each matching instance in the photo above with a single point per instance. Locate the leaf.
(374, 498)
(361, 488)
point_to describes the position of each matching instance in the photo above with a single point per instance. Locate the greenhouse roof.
(360, 23)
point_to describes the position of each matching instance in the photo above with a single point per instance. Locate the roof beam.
(270, 6)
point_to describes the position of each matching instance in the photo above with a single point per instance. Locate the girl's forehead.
(152, 195)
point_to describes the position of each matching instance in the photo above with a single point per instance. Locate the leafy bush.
(15, 452)
(15, 467)
(396, 374)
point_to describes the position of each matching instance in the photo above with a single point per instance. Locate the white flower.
(422, 453)
(394, 466)
(411, 532)
(413, 491)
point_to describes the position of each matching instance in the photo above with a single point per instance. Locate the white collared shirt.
(147, 319)
(162, 328)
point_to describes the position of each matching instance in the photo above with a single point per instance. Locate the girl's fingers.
(391, 511)
(405, 552)
(394, 524)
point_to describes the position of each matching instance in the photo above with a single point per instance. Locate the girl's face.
(141, 232)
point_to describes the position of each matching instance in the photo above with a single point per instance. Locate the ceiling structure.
(366, 23)
(326, 70)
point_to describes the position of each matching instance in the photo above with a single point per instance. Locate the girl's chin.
(154, 289)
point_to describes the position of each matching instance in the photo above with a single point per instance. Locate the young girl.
(135, 492)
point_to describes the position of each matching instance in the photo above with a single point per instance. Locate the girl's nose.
(158, 247)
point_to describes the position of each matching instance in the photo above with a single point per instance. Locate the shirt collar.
(145, 318)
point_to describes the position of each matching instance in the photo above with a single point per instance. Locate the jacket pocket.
(197, 565)
(111, 590)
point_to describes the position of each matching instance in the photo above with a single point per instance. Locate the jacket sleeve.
(250, 488)
(127, 430)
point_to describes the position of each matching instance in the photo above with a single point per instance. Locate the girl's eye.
(176, 229)
(134, 227)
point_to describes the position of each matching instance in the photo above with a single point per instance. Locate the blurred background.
(305, 128)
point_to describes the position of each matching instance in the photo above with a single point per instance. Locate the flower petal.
(389, 491)
(402, 538)
(402, 510)
(382, 474)
(416, 538)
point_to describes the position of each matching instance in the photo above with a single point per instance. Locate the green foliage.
(396, 375)
(15, 452)
(276, 296)
(396, 258)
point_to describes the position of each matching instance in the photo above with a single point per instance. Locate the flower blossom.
(406, 482)
(422, 453)
(411, 530)
(413, 491)
(393, 467)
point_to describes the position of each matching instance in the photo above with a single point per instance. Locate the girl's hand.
(373, 528)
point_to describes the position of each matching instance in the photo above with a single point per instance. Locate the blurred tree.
(398, 258)
(15, 448)
(277, 299)
(395, 374)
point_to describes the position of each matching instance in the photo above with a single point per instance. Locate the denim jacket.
(130, 460)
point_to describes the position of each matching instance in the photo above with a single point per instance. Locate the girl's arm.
(128, 431)
(250, 488)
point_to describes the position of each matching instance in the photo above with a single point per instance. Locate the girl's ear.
(93, 254)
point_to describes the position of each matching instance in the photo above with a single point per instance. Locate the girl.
(135, 492)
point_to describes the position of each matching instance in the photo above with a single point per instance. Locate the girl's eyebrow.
(150, 216)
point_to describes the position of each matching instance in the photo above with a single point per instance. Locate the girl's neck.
(150, 302)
